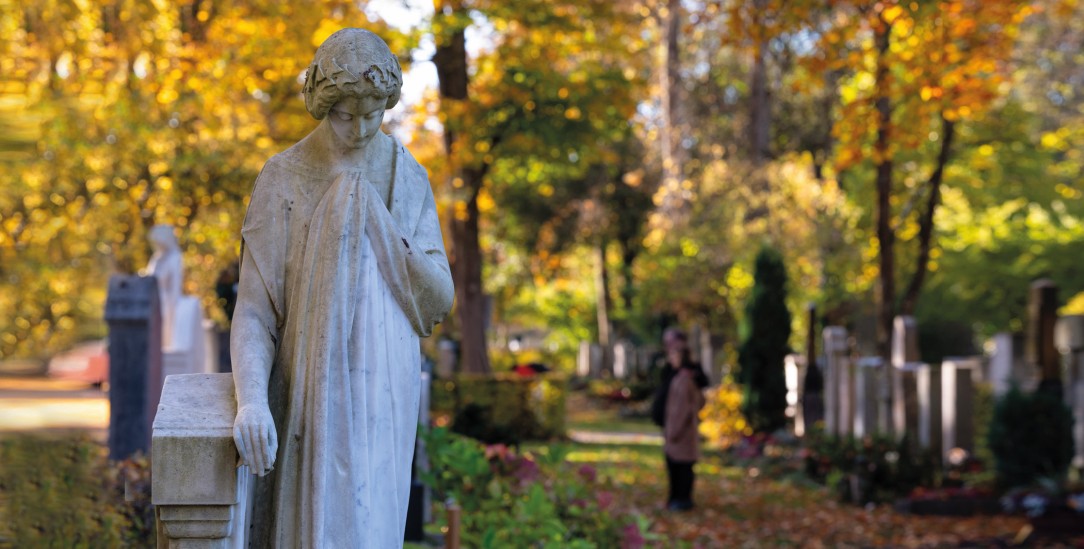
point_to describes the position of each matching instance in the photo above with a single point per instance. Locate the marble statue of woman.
(343, 269)
(168, 270)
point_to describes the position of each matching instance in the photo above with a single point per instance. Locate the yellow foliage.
(721, 420)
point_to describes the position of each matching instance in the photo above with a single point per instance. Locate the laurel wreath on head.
(382, 75)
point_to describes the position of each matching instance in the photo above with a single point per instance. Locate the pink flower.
(588, 473)
(526, 470)
(632, 538)
(604, 499)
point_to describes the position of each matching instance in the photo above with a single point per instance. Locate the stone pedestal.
(957, 406)
(202, 497)
(187, 353)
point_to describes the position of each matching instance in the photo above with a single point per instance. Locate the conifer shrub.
(765, 335)
(1031, 438)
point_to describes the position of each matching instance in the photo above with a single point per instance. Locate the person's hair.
(675, 333)
(351, 62)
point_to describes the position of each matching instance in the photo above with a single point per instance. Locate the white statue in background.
(342, 270)
(168, 270)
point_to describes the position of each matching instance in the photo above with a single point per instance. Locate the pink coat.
(681, 430)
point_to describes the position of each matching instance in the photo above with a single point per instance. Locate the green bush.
(503, 407)
(521, 500)
(765, 336)
(1031, 437)
(63, 492)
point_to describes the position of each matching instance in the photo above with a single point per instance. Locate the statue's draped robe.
(344, 286)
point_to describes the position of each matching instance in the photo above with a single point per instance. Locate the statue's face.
(356, 120)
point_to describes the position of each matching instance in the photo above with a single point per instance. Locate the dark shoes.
(680, 505)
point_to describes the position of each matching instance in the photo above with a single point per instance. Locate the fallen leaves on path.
(737, 509)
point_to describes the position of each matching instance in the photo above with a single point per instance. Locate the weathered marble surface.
(343, 269)
(202, 496)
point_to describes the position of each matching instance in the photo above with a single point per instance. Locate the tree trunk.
(602, 289)
(759, 102)
(466, 255)
(886, 237)
(671, 97)
(925, 228)
(467, 276)
(629, 252)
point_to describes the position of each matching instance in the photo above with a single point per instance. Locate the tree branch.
(925, 231)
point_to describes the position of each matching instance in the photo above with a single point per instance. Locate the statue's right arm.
(252, 347)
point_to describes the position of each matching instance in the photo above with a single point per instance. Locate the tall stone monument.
(905, 365)
(1042, 316)
(135, 362)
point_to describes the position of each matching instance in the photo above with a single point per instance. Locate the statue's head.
(351, 62)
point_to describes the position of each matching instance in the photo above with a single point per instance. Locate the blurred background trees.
(603, 168)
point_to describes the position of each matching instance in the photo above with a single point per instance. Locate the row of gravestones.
(934, 404)
(625, 360)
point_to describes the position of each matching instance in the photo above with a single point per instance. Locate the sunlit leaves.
(125, 114)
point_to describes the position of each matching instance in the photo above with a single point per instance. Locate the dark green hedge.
(503, 407)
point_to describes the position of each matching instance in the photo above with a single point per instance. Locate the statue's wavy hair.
(351, 62)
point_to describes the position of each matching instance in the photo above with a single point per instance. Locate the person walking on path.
(676, 409)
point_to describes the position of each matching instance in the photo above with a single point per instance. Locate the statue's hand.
(256, 439)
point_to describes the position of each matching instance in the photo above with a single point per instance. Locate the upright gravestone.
(869, 379)
(792, 373)
(447, 351)
(135, 362)
(583, 360)
(957, 406)
(838, 383)
(621, 359)
(905, 363)
(930, 421)
(1042, 316)
(1009, 366)
(813, 381)
(1069, 337)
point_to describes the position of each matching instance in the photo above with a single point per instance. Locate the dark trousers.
(681, 480)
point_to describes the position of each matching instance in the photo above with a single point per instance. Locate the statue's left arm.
(414, 265)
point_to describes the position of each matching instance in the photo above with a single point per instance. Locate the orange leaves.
(946, 59)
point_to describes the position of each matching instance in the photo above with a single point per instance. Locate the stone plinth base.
(202, 497)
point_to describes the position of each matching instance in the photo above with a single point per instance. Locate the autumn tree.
(532, 111)
(123, 115)
(912, 72)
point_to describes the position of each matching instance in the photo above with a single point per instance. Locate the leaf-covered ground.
(745, 506)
